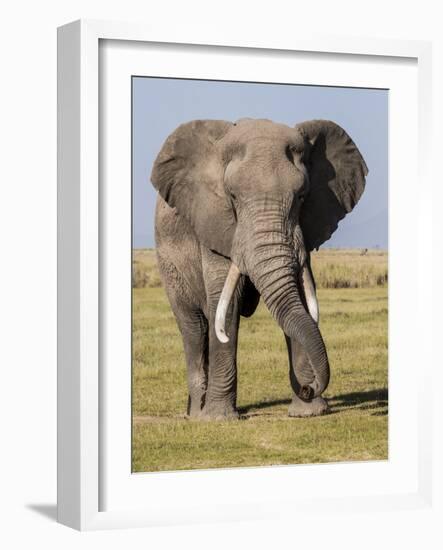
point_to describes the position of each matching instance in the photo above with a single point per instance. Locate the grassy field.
(353, 320)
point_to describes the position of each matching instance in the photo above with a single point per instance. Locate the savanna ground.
(353, 298)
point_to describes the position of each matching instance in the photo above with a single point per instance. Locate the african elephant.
(240, 207)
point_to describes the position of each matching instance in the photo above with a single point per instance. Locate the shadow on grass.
(372, 399)
(355, 398)
(263, 405)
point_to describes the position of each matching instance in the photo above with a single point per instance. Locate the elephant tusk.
(224, 301)
(310, 294)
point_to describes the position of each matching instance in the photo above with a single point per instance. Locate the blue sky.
(160, 105)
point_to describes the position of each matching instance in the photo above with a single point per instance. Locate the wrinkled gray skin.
(259, 196)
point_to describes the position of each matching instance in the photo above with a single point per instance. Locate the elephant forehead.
(248, 130)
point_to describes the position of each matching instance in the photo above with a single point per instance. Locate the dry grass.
(144, 269)
(333, 268)
(354, 326)
(350, 268)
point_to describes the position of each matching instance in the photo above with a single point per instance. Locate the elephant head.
(263, 195)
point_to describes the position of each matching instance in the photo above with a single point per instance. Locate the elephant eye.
(289, 154)
(232, 196)
(296, 155)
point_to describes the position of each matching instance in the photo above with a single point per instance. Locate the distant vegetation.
(350, 268)
(144, 269)
(333, 268)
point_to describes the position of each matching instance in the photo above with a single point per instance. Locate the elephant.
(240, 207)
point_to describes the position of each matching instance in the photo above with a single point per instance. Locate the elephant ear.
(188, 174)
(337, 173)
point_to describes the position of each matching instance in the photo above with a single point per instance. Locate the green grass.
(353, 322)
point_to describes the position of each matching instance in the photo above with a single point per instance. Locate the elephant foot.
(193, 414)
(194, 407)
(218, 411)
(300, 408)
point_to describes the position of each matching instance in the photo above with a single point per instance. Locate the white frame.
(79, 253)
(174, 492)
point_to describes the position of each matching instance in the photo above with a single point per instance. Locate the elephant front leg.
(193, 327)
(221, 393)
(195, 341)
(299, 375)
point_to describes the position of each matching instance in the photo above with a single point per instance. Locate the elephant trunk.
(272, 265)
(274, 276)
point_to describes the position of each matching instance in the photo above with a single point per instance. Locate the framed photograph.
(232, 259)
